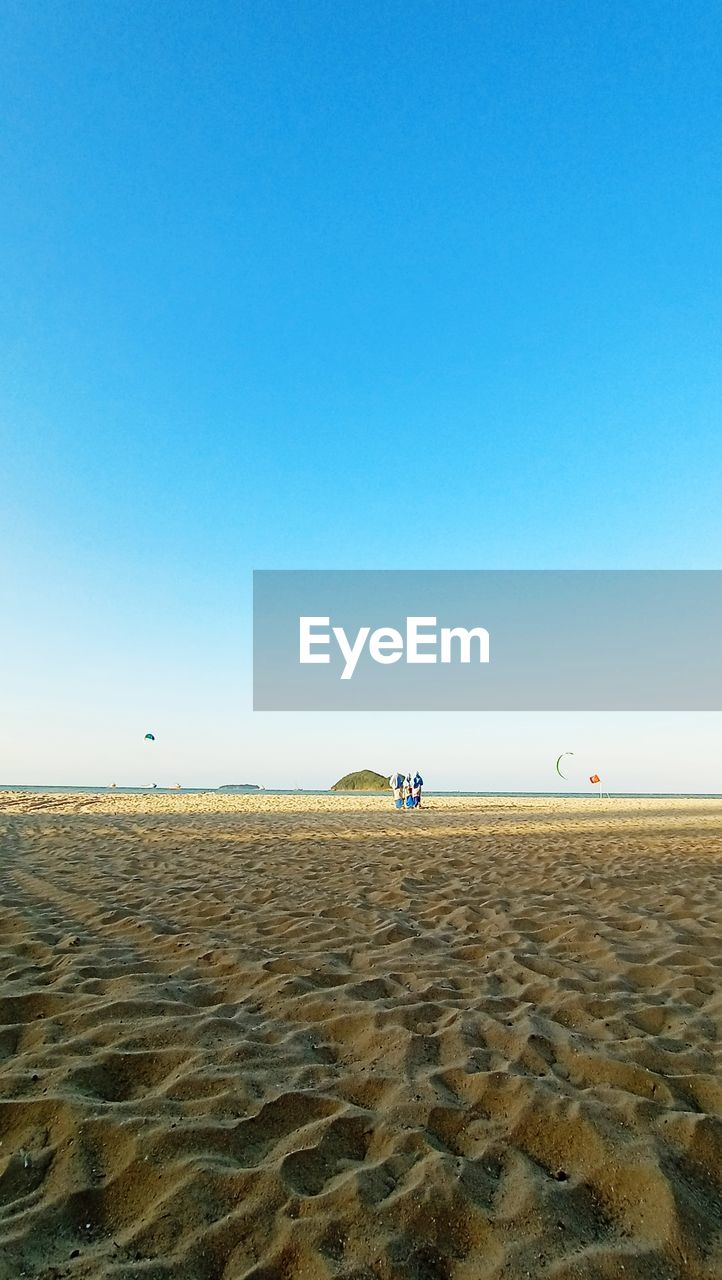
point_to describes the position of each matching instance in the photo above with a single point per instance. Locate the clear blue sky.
(321, 285)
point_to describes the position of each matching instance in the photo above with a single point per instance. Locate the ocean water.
(53, 789)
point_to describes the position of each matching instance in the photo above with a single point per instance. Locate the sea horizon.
(229, 789)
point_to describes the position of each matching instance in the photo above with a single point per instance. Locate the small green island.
(240, 786)
(362, 780)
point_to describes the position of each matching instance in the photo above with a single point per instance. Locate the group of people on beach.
(406, 789)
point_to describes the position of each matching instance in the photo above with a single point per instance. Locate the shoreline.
(118, 801)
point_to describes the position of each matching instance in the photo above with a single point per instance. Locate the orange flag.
(595, 778)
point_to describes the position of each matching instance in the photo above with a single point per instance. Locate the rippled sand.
(277, 1037)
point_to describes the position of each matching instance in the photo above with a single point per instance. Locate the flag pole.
(597, 781)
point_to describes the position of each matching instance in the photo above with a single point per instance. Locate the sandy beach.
(250, 1037)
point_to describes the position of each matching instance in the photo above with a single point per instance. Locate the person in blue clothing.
(396, 782)
(412, 790)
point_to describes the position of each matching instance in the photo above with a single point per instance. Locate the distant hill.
(241, 786)
(362, 780)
